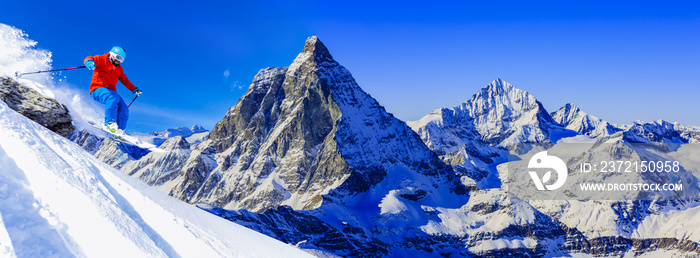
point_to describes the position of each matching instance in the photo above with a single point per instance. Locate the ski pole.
(18, 74)
(132, 101)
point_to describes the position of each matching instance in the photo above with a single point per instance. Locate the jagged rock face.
(157, 168)
(193, 175)
(302, 132)
(573, 118)
(175, 143)
(88, 141)
(43, 110)
(472, 161)
(306, 231)
(498, 115)
(117, 154)
(108, 150)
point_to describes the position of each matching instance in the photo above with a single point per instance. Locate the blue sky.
(618, 60)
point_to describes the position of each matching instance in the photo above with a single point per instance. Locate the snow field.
(57, 200)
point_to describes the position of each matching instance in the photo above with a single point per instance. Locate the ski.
(127, 139)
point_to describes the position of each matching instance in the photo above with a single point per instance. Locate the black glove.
(137, 92)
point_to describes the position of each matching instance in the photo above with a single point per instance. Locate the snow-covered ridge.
(59, 200)
(573, 118)
(661, 131)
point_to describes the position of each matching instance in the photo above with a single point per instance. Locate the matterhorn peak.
(315, 47)
(312, 57)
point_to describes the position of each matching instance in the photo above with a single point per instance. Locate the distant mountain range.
(194, 134)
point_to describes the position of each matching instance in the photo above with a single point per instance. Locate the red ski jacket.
(106, 74)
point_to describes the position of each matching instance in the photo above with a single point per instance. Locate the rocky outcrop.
(110, 151)
(88, 141)
(39, 108)
(117, 154)
(306, 231)
(157, 168)
(175, 143)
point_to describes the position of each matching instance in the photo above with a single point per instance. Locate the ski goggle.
(117, 57)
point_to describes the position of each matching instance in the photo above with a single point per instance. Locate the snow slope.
(58, 200)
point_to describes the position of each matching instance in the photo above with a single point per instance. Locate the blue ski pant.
(116, 110)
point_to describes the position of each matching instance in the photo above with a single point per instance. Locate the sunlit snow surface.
(56, 200)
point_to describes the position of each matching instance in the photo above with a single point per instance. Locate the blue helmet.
(117, 53)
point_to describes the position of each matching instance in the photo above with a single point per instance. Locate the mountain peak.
(502, 91)
(313, 56)
(198, 129)
(569, 110)
(499, 114)
(175, 143)
(572, 107)
(315, 47)
(498, 87)
(573, 118)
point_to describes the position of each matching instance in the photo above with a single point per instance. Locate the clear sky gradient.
(619, 60)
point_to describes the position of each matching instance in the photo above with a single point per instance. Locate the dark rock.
(175, 143)
(307, 231)
(41, 109)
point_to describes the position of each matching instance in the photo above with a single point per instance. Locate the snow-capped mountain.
(571, 117)
(299, 134)
(476, 135)
(453, 133)
(310, 138)
(499, 115)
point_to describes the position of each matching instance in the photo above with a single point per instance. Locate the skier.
(106, 70)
